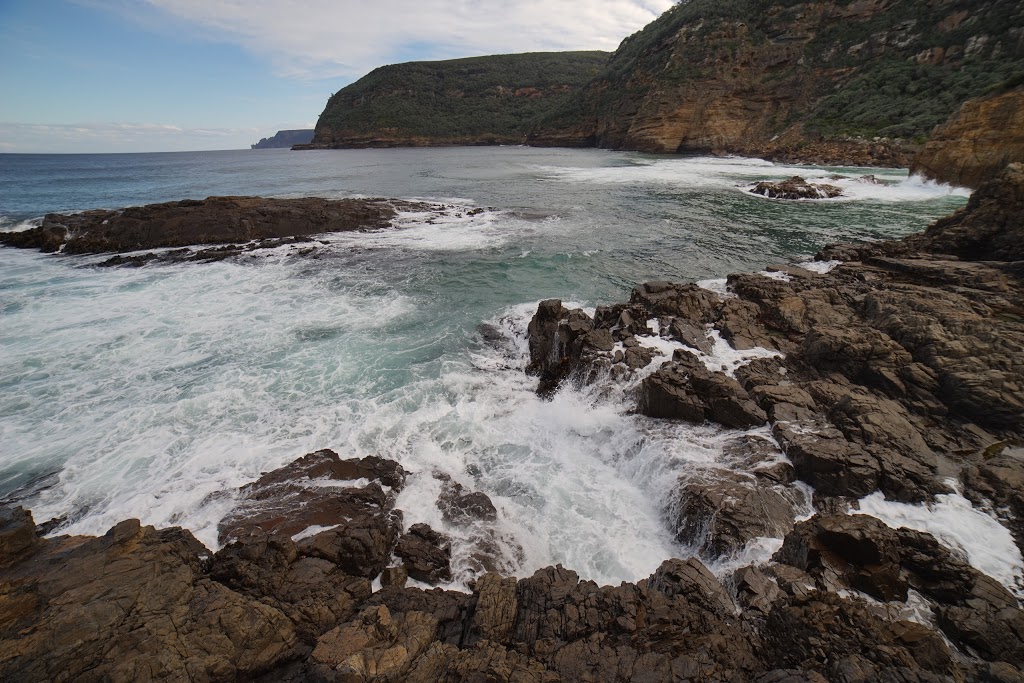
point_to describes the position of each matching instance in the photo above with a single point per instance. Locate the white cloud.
(120, 137)
(347, 38)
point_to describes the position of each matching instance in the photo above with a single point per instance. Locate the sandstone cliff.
(476, 101)
(860, 81)
(978, 141)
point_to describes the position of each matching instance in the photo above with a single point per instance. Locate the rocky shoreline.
(893, 366)
(236, 224)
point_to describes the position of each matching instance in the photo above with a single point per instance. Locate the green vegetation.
(864, 70)
(841, 69)
(499, 96)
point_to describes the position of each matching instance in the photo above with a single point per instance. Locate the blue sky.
(167, 75)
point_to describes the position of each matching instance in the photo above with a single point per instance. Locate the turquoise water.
(155, 392)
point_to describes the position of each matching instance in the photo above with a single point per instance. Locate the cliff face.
(865, 79)
(482, 100)
(284, 139)
(978, 141)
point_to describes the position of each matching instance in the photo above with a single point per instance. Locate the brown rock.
(977, 142)
(426, 554)
(685, 389)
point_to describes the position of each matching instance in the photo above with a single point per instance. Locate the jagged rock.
(989, 228)
(721, 511)
(558, 338)
(689, 302)
(17, 534)
(795, 188)
(459, 506)
(394, 577)
(113, 608)
(741, 326)
(755, 590)
(426, 554)
(375, 647)
(860, 549)
(685, 389)
(1000, 483)
(690, 333)
(823, 458)
(977, 141)
(315, 594)
(359, 523)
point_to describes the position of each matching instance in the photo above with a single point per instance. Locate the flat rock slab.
(215, 220)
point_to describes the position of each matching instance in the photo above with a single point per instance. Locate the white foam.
(951, 519)
(311, 531)
(822, 267)
(776, 275)
(737, 173)
(717, 285)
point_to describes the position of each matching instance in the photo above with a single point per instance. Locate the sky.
(176, 75)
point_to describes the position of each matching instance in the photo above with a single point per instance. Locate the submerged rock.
(795, 188)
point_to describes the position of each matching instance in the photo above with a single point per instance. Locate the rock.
(721, 511)
(459, 506)
(315, 594)
(861, 550)
(17, 534)
(823, 458)
(691, 303)
(977, 142)
(215, 220)
(999, 482)
(375, 647)
(755, 590)
(990, 227)
(691, 334)
(357, 524)
(110, 608)
(795, 188)
(426, 554)
(558, 339)
(685, 389)
(394, 577)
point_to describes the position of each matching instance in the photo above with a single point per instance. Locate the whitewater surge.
(892, 185)
(157, 392)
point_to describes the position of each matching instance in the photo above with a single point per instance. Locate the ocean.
(156, 392)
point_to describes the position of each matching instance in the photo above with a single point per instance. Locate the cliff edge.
(977, 142)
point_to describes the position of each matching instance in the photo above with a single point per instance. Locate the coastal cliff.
(860, 82)
(284, 139)
(976, 143)
(475, 101)
(889, 369)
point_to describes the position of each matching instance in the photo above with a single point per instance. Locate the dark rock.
(216, 220)
(17, 534)
(685, 389)
(688, 302)
(394, 577)
(795, 188)
(861, 550)
(360, 524)
(426, 554)
(558, 338)
(459, 506)
(823, 458)
(722, 511)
